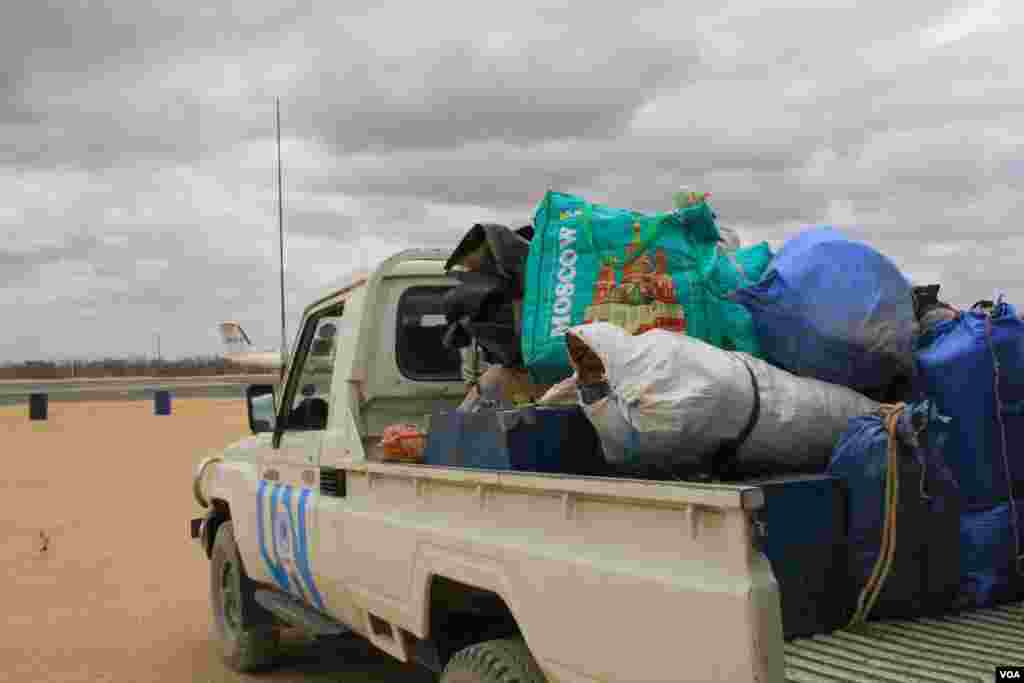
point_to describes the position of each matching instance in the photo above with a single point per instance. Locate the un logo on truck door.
(284, 541)
(284, 545)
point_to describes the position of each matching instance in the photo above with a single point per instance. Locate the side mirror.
(259, 399)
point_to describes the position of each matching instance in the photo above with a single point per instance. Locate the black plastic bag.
(482, 307)
(496, 250)
(929, 310)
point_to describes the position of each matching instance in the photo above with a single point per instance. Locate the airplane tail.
(234, 337)
(238, 348)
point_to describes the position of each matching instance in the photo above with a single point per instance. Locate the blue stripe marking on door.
(279, 574)
(286, 502)
(275, 570)
(303, 550)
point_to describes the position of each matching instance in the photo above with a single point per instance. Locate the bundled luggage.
(593, 263)
(837, 310)
(972, 367)
(679, 405)
(919, 574)
(632, 344)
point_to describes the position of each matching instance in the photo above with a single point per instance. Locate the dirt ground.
(120, 592)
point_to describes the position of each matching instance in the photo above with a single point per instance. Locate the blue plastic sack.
(834, 309)
(955, 369)
(925, 574)
(988, 548)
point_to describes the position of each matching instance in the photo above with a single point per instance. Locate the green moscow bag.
(589, 262)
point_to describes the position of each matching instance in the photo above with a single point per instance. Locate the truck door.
(411, 373)
(288, 484)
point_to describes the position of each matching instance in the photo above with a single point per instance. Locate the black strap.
(723, 462)
(592, 393)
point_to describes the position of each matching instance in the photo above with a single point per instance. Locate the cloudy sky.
(137, 157)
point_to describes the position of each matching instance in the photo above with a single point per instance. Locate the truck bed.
(956, 649)
(579, 513)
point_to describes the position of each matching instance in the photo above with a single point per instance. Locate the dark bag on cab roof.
(483, 307)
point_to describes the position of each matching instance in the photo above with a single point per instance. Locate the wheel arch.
(462, 600)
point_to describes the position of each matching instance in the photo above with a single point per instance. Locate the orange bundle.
(403, 443)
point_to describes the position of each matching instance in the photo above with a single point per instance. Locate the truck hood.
(242, 446)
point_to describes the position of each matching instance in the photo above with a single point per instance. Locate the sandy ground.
(128, 388)
(145, 379)
(121, 591)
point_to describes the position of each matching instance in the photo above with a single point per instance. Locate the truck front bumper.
(196, 528)
(201, 528)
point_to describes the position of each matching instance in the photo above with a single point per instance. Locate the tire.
(247, 635)
(494, 661)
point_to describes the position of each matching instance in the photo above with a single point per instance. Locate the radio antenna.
(280, 235)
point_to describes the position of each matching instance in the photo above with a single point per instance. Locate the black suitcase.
(557, 440)
(802, 531)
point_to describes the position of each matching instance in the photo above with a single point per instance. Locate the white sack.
(675, 399)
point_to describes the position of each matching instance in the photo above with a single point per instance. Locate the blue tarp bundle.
(968, 366)
(925, 574)
(834, 309)
(956, 368)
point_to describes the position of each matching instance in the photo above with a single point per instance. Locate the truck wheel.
(246, 646)
(495, 661)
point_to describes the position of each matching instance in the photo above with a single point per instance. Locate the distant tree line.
(195, 366)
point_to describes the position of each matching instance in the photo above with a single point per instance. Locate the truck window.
(312, 392)
(419, 350)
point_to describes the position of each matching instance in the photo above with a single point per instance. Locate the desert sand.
(103, 582)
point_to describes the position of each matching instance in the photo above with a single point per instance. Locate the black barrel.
(37, 404)
(162, 402)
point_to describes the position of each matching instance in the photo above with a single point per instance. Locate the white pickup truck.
(492, 576)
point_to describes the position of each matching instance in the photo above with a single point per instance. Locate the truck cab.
(479, 576)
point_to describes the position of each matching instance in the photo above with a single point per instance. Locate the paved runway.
(15, 392)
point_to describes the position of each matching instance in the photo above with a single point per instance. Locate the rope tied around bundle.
(890, 415)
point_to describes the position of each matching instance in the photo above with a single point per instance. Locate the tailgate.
(958, 648)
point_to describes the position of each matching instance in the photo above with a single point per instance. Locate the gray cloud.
(329, 225)
(15, 266)
(138, 142)
(462, 96)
